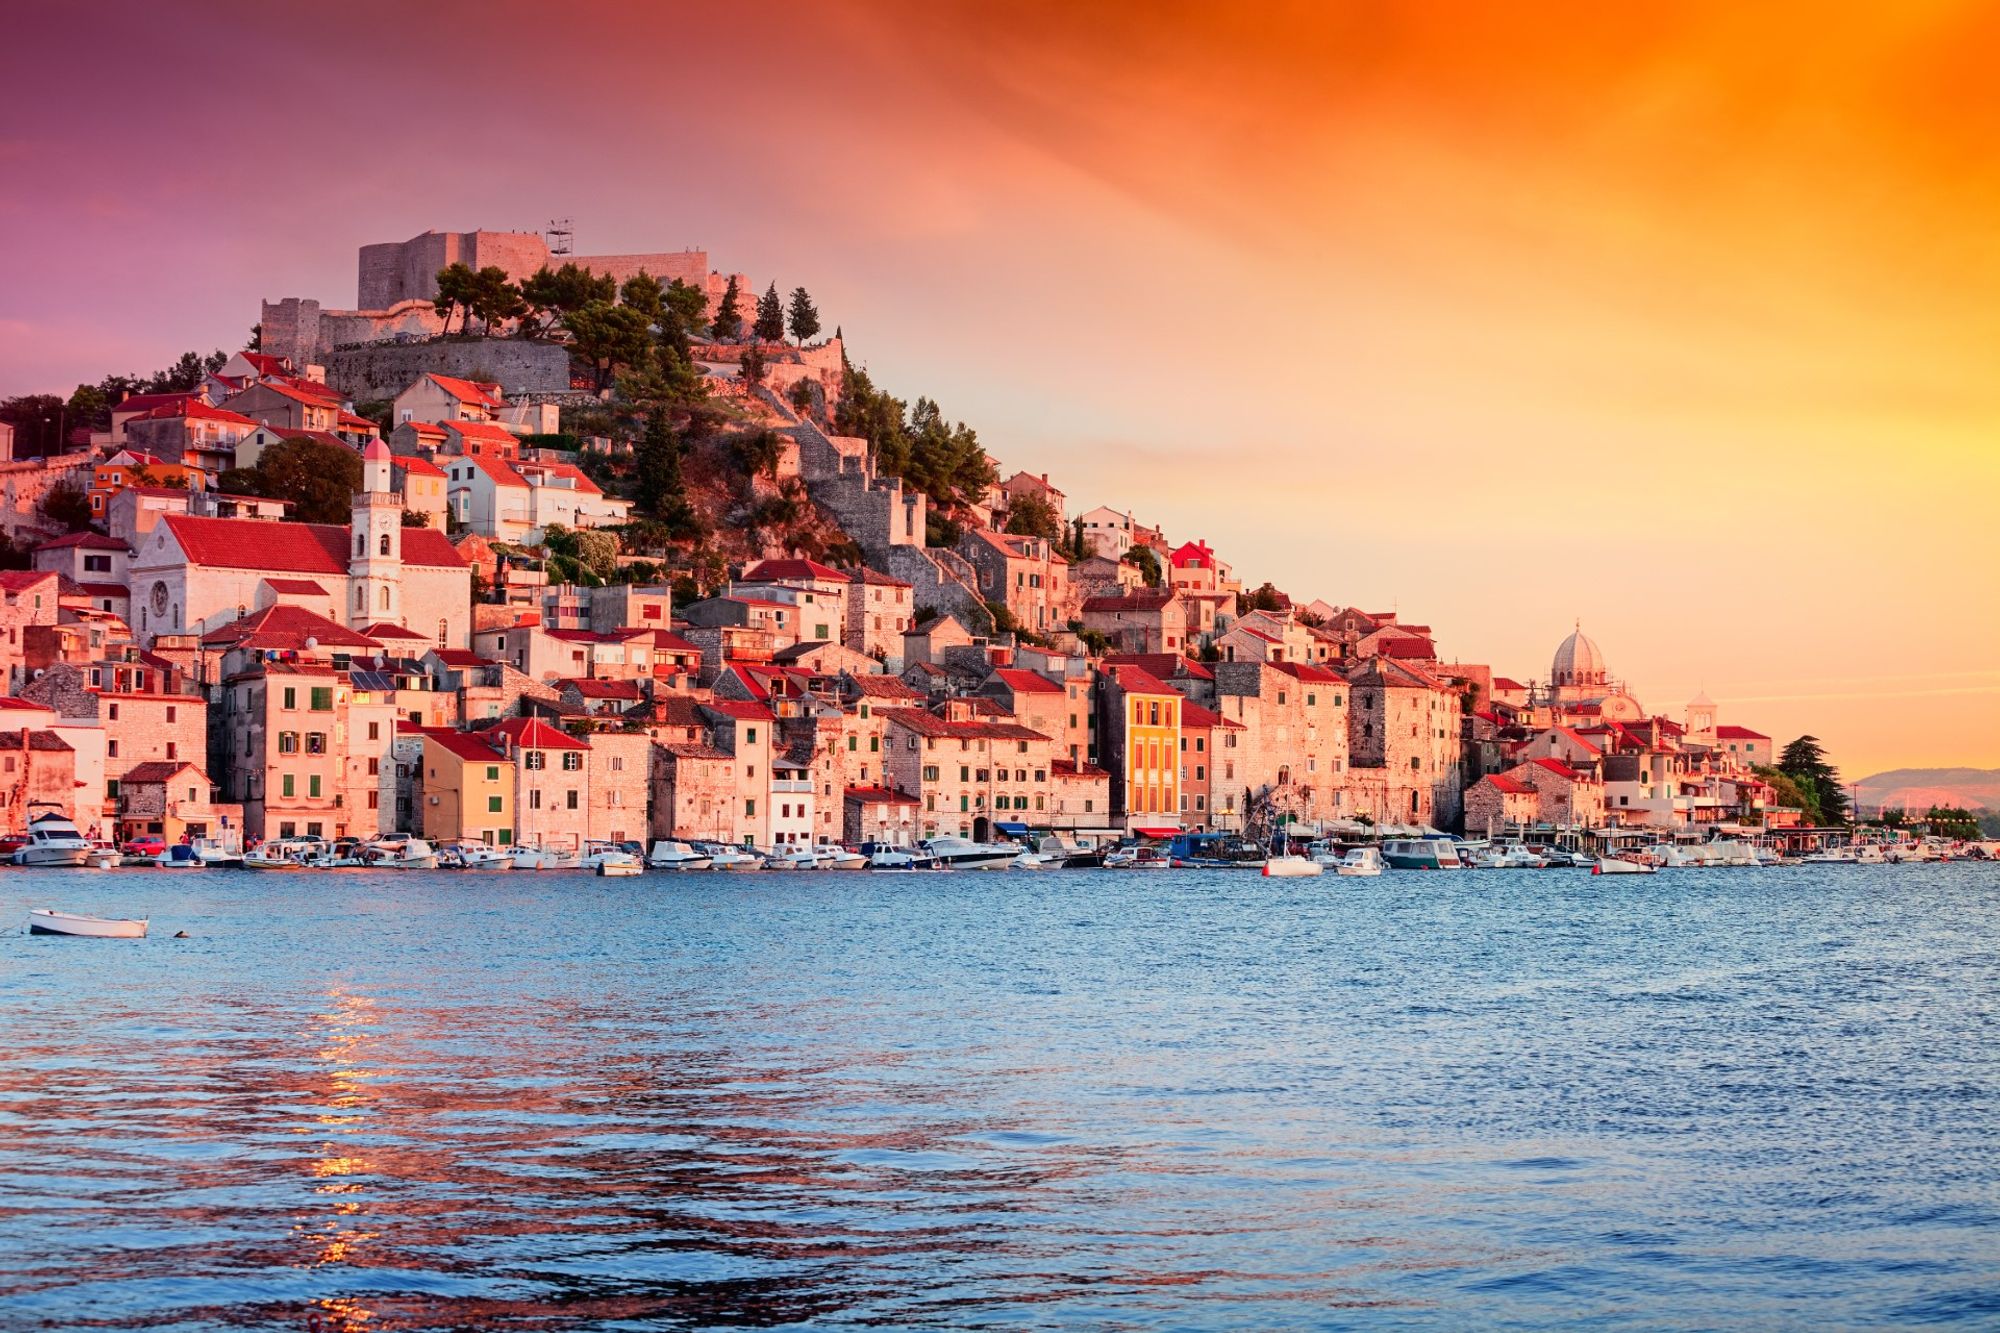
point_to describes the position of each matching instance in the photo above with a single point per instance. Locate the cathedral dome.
(1578, 662)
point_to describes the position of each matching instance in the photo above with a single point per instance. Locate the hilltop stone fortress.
(398, 279)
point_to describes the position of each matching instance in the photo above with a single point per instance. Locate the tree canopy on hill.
(1806, 764)
(941, 458)
(319, 479)
(1032, 516)
(1787, 792)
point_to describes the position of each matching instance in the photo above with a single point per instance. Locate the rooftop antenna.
(561, 236)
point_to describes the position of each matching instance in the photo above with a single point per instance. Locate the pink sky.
(1683, 324)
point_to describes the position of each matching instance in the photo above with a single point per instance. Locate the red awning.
(1157, 832)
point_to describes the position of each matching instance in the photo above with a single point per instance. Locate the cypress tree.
(770, 324)
(728, 319)
(805, 316)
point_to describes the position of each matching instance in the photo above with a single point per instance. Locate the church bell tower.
(375, 564)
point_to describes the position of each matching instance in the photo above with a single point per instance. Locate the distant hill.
(1922, 788)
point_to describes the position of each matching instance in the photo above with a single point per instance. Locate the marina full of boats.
(54, 842)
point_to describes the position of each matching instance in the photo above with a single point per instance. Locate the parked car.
(145, 846)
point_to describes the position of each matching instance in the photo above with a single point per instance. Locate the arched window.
(360, 598)
(361, 543)
(385, 597)
(444, 634)
(385, 543)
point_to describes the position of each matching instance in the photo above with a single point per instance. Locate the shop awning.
(1157, 832)
(1013, 830)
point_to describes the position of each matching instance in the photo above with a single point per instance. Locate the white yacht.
(964, 854)
(1360, 861)
(798, 857)
(598, 855)
(474, 856)
(832, 857)
(670, 855)
(53, 841)
(398, 852)
(726, 856)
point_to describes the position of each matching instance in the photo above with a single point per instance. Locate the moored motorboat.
(832, 857)
(965, 854)
(53, 841)
(1614, 865)
(1292, 867)
(475, 856)
(397, 851)
(625, 859)
(180, 856)
(1361, 862)
(214, 853)
(670, 855)
(48, 921)
(800, 857)
(1421, 854)
(727, 857)
(1215, 851)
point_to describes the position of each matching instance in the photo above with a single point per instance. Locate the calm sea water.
(1096, 1100)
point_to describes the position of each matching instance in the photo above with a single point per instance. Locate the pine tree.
(770, 324)
(661, 490)
(805, 316)
(1806, 764)
(728, 319)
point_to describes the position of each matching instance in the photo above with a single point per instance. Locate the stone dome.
(1578, 662)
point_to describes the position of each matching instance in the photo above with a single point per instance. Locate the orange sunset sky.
(1680, 319)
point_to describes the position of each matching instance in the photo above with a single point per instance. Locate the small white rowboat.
(46, 921)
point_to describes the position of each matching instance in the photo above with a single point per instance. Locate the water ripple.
(1077, 1100)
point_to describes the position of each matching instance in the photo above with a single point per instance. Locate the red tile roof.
(146, 402)
(1164, 665)
(879, 796)
(417, 467)
(383, 630)
(529, 733)
(285, 628)
(740, 709)
(1559, 768)
(883, 687)
(1150, 600)
(483, 431)
(470, 745)
(591, 688)
(296, 587)
(1194, 554)
(539, 473)
(1137, 680)
(298, 548)
(930, 724)
(498, 470)
(1026, 682)
(781, 571)
(460, 657)
(89, 541)
(477, 392)
(20, 580)
(157, 770)
(1740, 734)
(199, 410)
(1068, 768)
(1503, 683)
(876, 577)
(1512, 786)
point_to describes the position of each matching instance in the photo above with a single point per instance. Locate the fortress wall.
(383, 370)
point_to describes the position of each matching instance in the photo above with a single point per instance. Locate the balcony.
(792, 787)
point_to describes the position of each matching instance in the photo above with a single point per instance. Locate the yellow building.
(468, 790)
(1144, 738)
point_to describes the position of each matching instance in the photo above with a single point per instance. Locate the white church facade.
(191, 575)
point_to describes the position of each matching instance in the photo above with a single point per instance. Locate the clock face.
(159, 599)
